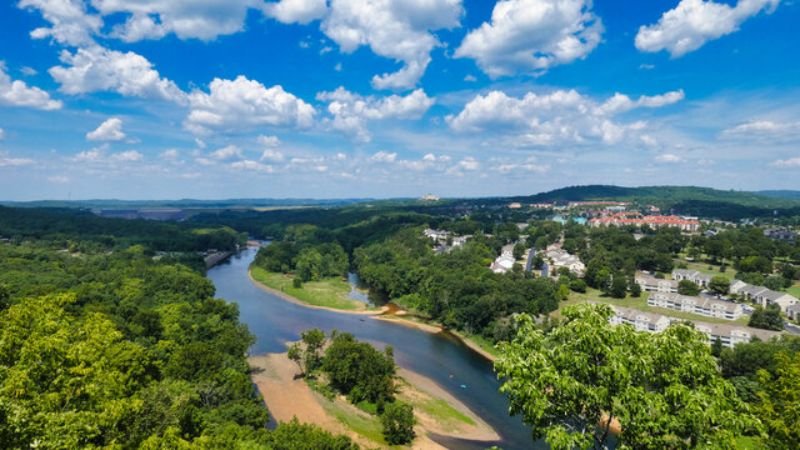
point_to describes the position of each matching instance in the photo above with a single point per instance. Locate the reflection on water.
(357, 292)
(459, 370)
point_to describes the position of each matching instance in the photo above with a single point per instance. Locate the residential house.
(650, 283)
(793, 312)
(763, 296)
(561, 258)
(505, 262)
(698, 278)
(703, 306)
(780, 234)
(728, 335)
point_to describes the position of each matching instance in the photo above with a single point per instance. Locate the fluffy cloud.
(252, 166)
(170, 155)
(791, 163)
(70, 23)
(385, 157)
(669, 158)
(272, 155)
(397, 29)
(243, 103)
(110, 130)
(764, 129)
(692, 23)
(350, 112)
(531, 36)
(296, 11)
(18, 93)
(557, 117)
(98, 155)
(153, 19)
(269, 141)
(96, 68)
(8, 161)
(228, 152)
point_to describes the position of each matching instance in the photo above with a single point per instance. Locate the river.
(455, 367)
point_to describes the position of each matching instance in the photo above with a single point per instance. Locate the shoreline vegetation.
(288, 396)
(261, 278)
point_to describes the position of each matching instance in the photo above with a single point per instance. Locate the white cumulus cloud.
(351, 112)
(242, 103)
(790, 163)
(296, 11)
(557, 117)
(396, 29)
(95, 68)
(385, 157)
(9, 161)
(692, 23)
(70, 23)
(153, 19)
(110, 130)
(531, 36)
(764, 129)
(227, 152)
(668, 158)
(18, 93)
(247, 164)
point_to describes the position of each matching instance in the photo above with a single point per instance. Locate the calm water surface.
(452, 365)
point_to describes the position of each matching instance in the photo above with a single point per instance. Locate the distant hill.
(245, 203)
(688, 200)
(785, 194)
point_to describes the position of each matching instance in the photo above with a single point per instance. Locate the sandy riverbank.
(288, 397)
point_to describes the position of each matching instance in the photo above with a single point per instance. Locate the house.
(650, 283)
(515, 205)
(793, 312)
(763, 296)
(780, 234)
(728, 335)
(429, 198)
(635, 219)
(561, 258)
(505, 262)
(703, 306)
(640, 320)
(698, 278)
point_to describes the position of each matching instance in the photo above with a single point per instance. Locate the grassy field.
(794, 290)
(354, 419)
(330, 292)
(704, 268)
(594, 295)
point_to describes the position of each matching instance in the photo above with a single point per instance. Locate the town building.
(703, 306)
(763, 296)
(698, 278)
(558, 258)
(650, 283)
(689, 225)
(728, 335)
(780, 234)
(793, 312)
(505, 262)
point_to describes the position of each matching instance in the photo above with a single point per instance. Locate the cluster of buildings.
(665, 295)
(687, 224)
(444, 241)
(780, 234)
(505, 262)
(556, 257)
(763, 296)
(704, 306)
(728, 335)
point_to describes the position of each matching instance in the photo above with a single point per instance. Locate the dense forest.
(104, 345)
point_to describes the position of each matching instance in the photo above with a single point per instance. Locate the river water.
(455, 367)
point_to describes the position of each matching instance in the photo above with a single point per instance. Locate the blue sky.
(158, 99)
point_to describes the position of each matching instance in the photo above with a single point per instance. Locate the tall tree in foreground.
(582, 378)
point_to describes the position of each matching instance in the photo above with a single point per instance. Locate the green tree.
(768, 318)
(358, 370)
(309, 264)
(398, 423)
(519, 250)
(664, 389)
(619, 286)
(719, 285)
(780, 402)
(688, 287)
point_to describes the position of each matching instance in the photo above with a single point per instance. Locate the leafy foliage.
(398, 423)
(664, 389)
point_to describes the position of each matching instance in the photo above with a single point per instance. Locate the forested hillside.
(108, 346)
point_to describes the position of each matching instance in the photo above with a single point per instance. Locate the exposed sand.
(287, 398)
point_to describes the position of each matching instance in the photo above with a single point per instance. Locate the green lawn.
(704, 268)
(794, 290)
(594, 295)
(351, 417)
(330, 292)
